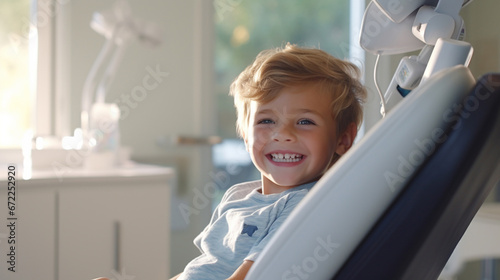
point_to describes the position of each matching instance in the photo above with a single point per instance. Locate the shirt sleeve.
(290, 204)
(234, 191)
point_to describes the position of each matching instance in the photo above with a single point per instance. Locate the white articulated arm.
(421, 24)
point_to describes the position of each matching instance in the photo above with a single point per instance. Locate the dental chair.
(419, 231)
(397, 204)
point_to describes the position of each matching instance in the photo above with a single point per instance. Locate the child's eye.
(305, 122)
(265, 121)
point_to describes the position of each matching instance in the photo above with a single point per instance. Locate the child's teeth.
(286, 157)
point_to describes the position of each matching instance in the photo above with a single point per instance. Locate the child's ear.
(346, 139)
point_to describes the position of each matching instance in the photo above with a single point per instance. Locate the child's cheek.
(260, 137)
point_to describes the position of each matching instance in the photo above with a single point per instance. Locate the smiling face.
(292, 139)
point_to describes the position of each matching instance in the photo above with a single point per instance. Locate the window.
(16, 92)
(244, 28)
(30, 98)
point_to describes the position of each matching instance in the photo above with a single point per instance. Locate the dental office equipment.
(395, 27)
(99, 121)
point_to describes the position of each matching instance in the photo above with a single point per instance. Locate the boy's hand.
(242, 271)
(103, 278)
(239, 274)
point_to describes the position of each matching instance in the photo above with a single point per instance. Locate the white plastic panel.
(339, 211)
(380, 35)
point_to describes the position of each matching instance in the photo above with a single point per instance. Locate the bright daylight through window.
(16, 95)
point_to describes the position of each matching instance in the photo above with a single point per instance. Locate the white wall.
(483, 23)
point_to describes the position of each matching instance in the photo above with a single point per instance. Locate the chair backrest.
(326, 229)
(418, 233)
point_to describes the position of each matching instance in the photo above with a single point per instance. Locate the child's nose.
(284, 133)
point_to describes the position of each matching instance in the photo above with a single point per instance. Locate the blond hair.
(278, 68)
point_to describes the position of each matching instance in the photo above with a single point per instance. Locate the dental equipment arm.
(119, 28)
(434, 27)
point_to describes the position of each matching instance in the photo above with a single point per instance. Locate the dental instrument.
(99, 120)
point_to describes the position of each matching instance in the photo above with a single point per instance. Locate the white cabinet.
(89, 224)
(33, 237)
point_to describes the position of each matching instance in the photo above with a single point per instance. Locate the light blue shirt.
(240, 228)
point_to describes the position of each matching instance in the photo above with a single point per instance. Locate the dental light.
(99, 121)
(400, 26)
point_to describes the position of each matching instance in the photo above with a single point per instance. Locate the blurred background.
(173, 94)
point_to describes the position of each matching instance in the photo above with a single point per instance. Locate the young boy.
(298, 112)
